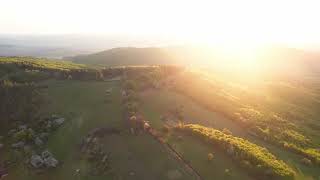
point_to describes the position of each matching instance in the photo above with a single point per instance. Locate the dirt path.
(175, 154)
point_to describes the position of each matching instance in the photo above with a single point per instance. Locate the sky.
(237, 22)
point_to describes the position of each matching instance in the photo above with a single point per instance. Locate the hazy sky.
(239, 21)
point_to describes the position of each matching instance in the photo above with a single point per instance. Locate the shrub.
(210, 156)
(130, 85)
(24, 135)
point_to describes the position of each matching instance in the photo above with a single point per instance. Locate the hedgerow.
(41, 63)
(258, 160)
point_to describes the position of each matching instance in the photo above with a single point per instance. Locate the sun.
(245, 56)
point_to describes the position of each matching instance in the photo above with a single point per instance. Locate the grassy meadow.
(83, 105)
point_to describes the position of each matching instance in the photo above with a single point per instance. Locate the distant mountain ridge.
(127, 56)
(278, 59)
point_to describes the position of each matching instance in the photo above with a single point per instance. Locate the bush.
(130, 85)
(24, 135)
(210, 156)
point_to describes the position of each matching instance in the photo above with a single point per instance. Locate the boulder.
(58, 122)
(38, 141)
(44, 136)
(104, 159)
(18, 145)
(46, 154)
(88, 140)
(50, 162)
(36, 161)
(1, 146)
(124, 93)
(48, 159)
(146, 126)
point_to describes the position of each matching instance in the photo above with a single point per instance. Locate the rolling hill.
(127, 56)
(153, 122)
(280, 61)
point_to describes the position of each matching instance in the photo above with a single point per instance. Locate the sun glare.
(182, 21)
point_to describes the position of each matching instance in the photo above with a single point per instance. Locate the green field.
(191, 117)
(158, 102)
(83, 105)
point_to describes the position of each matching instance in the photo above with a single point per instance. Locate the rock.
(46, 154)
(58, 122)
(1, 146)
(54, 116)
(88, 140)
(50, 162)
(105, 158)
(44, 136)
(38, 141)
(132, 130)
(124, 93)
(146, 126)
(18, 145)
(36, 161)
(23, 127)
(48, 126)
(46, 159)
(12, 131)
(131, 173)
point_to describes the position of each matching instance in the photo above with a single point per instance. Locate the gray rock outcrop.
(36, 161)
(18, 145)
